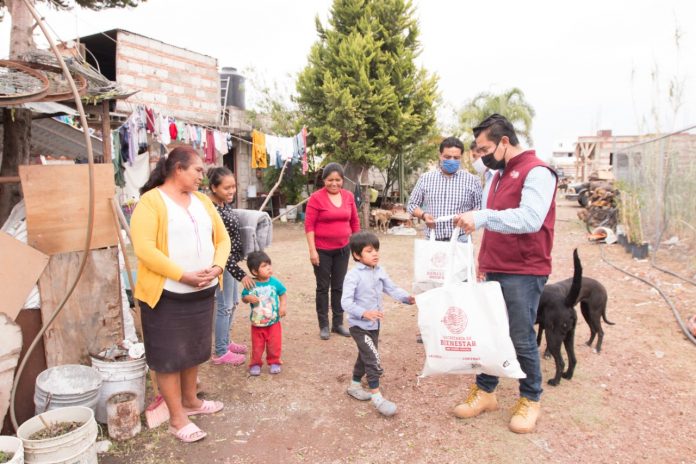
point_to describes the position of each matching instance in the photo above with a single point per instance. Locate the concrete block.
(126, 79)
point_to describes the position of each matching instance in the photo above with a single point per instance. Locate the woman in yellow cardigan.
(182, 247)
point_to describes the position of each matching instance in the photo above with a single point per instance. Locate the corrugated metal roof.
(49, 108)
(51, 137)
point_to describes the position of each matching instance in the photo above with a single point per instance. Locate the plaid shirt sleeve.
(416, 198)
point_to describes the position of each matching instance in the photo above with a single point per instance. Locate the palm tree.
(510, 104)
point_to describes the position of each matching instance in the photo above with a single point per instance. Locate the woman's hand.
(201, 278)
(314, 257)
(248, 282)
(196, 278)
(251, 299)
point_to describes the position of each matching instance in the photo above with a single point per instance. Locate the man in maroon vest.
(518, 221)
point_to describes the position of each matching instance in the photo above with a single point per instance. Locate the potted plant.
(11, 450)
(638, 246)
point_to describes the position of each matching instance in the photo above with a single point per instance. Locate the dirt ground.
(634, 402)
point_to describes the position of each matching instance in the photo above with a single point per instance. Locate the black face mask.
(491, 163)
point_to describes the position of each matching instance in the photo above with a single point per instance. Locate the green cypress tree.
(361, 93)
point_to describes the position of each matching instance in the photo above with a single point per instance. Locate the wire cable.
(664, 296)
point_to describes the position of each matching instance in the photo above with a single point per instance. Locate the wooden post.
(106, 131)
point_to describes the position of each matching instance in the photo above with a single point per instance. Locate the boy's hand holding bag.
(464, 325)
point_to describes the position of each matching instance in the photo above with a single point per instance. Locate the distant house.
(563, 159)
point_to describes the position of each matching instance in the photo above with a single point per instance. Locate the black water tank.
(235, 87)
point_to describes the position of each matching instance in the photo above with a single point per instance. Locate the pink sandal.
(189, 433)
(237, 348)
(234, 359)
(207, 407)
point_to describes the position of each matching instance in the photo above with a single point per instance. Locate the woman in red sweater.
(331, 217)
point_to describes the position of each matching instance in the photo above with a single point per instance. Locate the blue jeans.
(225, 302)
(521, 294)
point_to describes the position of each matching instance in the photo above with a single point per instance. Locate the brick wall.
(176, 81)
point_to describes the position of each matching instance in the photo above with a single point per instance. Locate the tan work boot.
(524, 416)
(477, 402)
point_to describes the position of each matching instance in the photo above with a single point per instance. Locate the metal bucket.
(123, 416)
(117, 377)
(67, 385)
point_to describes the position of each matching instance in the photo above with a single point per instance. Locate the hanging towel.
(150, 120)
(258, 150)
(305, 164)
(209, 147)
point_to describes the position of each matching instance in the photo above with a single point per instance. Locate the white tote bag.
(432, 258)
(464, 326)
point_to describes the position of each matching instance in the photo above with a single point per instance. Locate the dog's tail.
(604, 316)
(572, 296)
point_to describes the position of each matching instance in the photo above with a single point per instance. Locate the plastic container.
(117, 377)
(123, 416)
(251, 191)
(12, 445)
(292, 212)
(67, 385)
(283, 216)
(74, 447)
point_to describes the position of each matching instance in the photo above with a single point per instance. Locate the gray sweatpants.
(368, 362)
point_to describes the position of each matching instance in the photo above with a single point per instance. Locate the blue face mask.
(450, 166)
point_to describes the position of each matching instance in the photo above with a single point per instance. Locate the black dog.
(593, 305)
(556, 314)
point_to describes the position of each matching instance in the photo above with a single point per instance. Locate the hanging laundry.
(305, 164)
(119, 180)
(124, 139)
(150, 120)
(164, 130)
(258, 150)
(209, 149)
(136, 175)
(173, 131)
(285, 148)
(140, 124)
(180, 135)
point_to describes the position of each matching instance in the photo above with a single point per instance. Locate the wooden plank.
(16, 286)
(11, 336)
(29, 320)
(91, 319)
(57, 199)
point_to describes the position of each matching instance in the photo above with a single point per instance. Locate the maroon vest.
(528, 254)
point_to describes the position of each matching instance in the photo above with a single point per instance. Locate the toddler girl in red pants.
(268, 302)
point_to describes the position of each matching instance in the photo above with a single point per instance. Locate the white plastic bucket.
(67, 385)
(12, 445)
(292, 212)
(117, 377)
(75, 447)
(283, 216)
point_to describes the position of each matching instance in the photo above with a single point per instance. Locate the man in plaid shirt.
(445, 191)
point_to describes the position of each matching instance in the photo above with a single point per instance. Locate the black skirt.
(178, 330)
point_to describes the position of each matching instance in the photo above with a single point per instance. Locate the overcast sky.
(583, 65)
